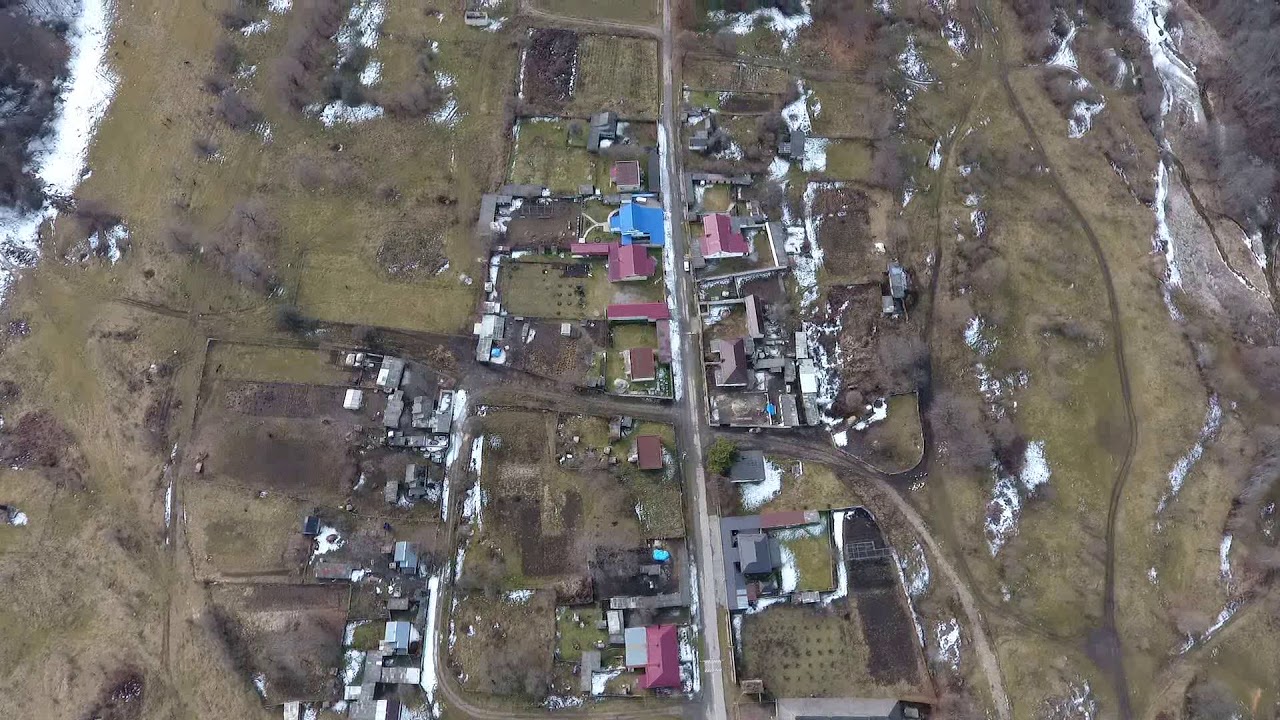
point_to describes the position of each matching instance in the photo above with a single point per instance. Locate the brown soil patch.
(542, 225)
(122, 698)
(40, 441)
(413, 249)
(289, 634)
(549, 68)
(846, 236)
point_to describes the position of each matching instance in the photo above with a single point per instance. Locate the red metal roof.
(652, 311)
(719, 237)
(625, 173)
(663, 669)
(784, 519)
(630, 262)
(590, 249)
(649, 452)
(644, 364)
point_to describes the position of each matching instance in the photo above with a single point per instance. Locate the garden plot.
(632, 11)
(555, 289)
(546, 503)
(806, 651)
(548, 69)
(618, 74)
(848, 110)
(286, 639)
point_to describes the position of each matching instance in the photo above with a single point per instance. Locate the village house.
(750, 555)
(625, 174)
(639, 222)
(641, 364)
(720, 239)
(632, 312)
(655, 650)
(731, 366)
(648, 452)
(628, 263)
(748, 467)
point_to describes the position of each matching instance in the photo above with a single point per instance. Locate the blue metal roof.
(639, 221)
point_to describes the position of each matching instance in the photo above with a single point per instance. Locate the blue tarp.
(661, 555)
(633, 221)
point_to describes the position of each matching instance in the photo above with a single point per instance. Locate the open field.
(720, 75)
(846, 110)
(618, 74)
(633, 11)
(895, 443)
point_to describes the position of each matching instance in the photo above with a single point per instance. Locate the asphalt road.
(688, 344)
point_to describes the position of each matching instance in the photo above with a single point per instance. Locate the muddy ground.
(290, 635)
(550, 225)
(548, 71)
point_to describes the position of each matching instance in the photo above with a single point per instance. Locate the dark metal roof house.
(649, 452)
(732, 368)
(749, 467)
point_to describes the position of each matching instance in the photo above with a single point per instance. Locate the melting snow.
(279, 7)
(1082, 117)
(787, 569)
(327, 541)
(1064, 56)
(600, 679)
(519, 597)
(1005, 506)
(879, 411)
(915, 570)
(935, 157)
(256, 28)
(842, 568)
(371, 74)
(430, 645)
(340, 113)
(956, 37)
(949, 643)
(1079, 703)
(1224, 558)
(18, 518)
(59, 159)
(1182, 467)
(786, 26)
(912, 64)
(1176, 76)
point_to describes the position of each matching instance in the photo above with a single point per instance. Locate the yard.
(724, 75)
(844, 110)
(895, 443)
(806, 651)
(557, 289)
(632, 11)
(542, 156)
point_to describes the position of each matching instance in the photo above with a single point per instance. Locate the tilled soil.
(549, 67)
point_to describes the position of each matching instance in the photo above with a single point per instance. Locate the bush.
(721, 456)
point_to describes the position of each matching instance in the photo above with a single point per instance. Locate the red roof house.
(720, 240)
(663, 667)
(649, 452)
(641, 363)
(630, 262)
(626, 175)
(649, 312)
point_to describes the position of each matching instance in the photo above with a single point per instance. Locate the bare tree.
(904, 359)
(236, 112)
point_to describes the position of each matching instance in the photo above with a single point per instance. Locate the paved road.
(688, 345)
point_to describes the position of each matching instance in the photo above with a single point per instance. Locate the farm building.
(749, 467)
(400, 636)
(631, 312)
(354, 399)
(844, 709)
(720, 240)
(390, 373)
(604, 127)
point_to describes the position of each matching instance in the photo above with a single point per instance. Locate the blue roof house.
(639, 223)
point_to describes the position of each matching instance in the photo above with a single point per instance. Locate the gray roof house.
(749, 467)
(399, 636)
(793, 146)
(844, 709)
(604, 126)
(637, 646)
(391, 372)
(395, 408)
(755, 553)
(405, 557)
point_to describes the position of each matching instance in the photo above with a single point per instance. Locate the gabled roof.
(838, 708)
(630, 262)
(732, 370)
(749, 467)
(755, 555)
(663, 667)
(589, 249)
(719, 238)
(649, 452)
(636, 647)
(652, 311)
(642, 363)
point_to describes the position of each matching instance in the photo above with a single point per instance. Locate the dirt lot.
(850, 221)
(634, 11)
(895, 443)
(540, 225)
(287, 637)
(549, 66)
(551, 355)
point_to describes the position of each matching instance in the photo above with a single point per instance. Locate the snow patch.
(519, 597)
(879, 411)
(755, 494)
(1082, 113)
(948, 634)
(935, 156)
(327, 541)
(1183, 466)
(787, 27)
(430, 645)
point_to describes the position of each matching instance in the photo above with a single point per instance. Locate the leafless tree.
(236, 112)
(904, 359)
